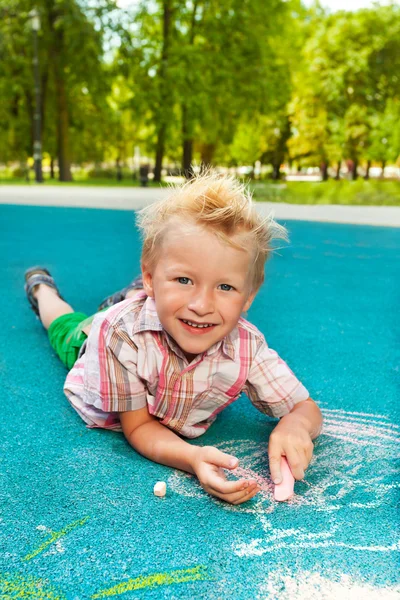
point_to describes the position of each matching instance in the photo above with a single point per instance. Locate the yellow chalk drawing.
(198, 573)
(15, 585)
(56, 535)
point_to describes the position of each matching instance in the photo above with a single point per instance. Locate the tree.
(350, 65)
(216, 62)
(72, 71)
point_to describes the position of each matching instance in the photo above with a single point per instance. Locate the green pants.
(66, 336)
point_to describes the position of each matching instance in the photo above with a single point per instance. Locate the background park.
(272, 90)
(104, 103)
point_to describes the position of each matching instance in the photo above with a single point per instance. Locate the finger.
(221, 459)
(307, 458)
(275, 468)
(222, 486)
(309, 453)
(275, 451)
(242, 496)
(246, 497)
(296, 463)
(275, 463)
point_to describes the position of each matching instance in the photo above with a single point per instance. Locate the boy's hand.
(208, 465)
(290, 438)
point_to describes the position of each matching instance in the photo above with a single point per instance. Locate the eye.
(226, 285)
(183, 280)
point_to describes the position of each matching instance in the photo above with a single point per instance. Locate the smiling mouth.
(198, 325)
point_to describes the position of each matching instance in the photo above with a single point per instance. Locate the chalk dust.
(307, 585)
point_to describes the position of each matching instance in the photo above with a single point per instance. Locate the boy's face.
(199, 279)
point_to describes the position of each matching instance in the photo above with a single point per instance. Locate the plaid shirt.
(131, 362)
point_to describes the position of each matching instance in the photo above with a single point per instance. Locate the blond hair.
(219, 203)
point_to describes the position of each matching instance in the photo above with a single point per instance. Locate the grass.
(359, 193)
(96, 182)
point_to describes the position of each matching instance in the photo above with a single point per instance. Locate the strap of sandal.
(33, 281)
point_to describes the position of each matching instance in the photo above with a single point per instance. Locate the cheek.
(168, 300)
(173, 295)
(233, 309)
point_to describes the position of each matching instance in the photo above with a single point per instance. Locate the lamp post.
(37, 119)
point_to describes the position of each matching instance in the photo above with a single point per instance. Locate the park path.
(133, 198)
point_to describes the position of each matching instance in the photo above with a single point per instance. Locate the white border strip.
(133, 198)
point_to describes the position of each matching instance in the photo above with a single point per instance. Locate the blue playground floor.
(79, 519)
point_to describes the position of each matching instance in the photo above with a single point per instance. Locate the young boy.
(164, 361)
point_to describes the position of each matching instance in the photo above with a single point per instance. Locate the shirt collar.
(148, 321)
(148, 318)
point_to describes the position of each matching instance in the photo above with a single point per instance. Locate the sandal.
(137, 284)
(33, 277)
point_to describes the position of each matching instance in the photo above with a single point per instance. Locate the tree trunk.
(187, 148)
(51, 167)
(159, 153)
(276, 171)
(354, 169)
(187, 159)
(366, 177)
(165, 92)
(62, 117)
(324, 171)
(64, 164)
(31, 112)
(383, 169)
(207, 155)
(187, 130)
(337, 176)
(118, 167)
(43, 90)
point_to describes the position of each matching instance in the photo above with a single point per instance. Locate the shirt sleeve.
(111, 380)
(271, 385)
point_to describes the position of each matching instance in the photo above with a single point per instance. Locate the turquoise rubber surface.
(79, 519)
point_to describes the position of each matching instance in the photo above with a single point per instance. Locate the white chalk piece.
(285, 489)
(160, 489)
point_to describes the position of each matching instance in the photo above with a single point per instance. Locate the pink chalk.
(283, 491)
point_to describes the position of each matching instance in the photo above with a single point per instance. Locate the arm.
(158, 443)
(292, 437)
(308, 415)
(126, 393)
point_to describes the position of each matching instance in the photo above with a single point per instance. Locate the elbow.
(133, 421)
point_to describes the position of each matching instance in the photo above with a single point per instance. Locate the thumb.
(220, 459)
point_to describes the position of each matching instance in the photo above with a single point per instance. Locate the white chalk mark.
(352, 413)
(309, 585)
(243, 550)
(57, 548)
(266, 485)
(352, 440)
(353, 420)
(358, 430)
(352, 472)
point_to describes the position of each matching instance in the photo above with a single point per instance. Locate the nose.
(202, 301)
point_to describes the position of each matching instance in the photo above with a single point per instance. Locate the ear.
(249, 301)
(147, 281)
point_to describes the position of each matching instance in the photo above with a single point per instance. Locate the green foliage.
(227, 81)
(366, 193)
(74, 82)
(345, 90)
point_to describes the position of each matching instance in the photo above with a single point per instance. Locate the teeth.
(194, 324)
